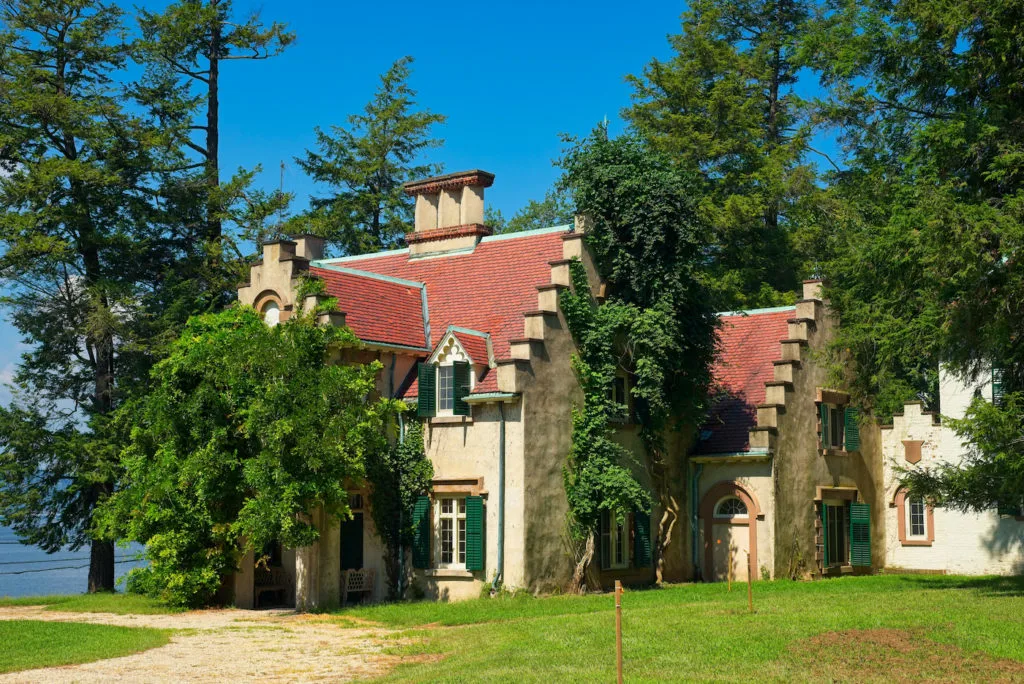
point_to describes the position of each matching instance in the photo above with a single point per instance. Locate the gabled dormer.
(448, 376)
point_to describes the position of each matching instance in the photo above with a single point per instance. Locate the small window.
(620, 542)
(355, 501)
(271, 313)
(619, 397)
(451, 516)
(835, 424)
(445, 388)
(917, 509)
(731, 508)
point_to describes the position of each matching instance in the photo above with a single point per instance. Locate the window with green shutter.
(426, 406)
(860, 535)
(852, 429)
(824, 425)
(421, 533)
(462, 383)
(474, 533)
(997, 385)
(641, 540)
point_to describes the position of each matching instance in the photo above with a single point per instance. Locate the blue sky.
(509, 76)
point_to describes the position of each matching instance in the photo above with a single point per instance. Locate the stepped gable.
(749, 346)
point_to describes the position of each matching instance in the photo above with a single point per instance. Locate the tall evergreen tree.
(929, 269)
(725, 106)
(77, 257)
(183, 48)
(366, 163)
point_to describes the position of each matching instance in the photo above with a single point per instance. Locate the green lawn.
(107, 602)
(29, 644)
(873, 628)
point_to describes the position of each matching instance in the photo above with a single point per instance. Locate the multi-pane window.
(835, 424)
(617, 394)
(731, 508)
(445, 388)
(451, 518)
(917, 528)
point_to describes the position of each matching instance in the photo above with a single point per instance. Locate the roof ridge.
(371, 274)
(754, 312)
(527, 233)
(359, 257)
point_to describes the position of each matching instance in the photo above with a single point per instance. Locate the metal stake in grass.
(750, 588)
(728, 573)
(618, 629)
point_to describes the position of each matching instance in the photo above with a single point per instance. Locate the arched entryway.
(730, 516)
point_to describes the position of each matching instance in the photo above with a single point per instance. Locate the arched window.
(731, 507)
(916, 509)
(271, 313)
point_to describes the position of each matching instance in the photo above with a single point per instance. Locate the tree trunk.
(579, 575)
(214, 228)
(101, 566)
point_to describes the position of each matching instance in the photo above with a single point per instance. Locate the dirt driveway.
(223, 645)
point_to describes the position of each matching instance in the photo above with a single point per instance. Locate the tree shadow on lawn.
(991, 585)
(890, 655)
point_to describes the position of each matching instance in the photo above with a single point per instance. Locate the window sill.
(832, 451)
(449, 573)
(450, 420)
(915, 542)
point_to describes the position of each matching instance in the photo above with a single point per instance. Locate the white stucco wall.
(965, 543)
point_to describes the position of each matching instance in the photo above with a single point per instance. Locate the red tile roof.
(475, 346)
(373, 306)
(487, 289)
(748, 344)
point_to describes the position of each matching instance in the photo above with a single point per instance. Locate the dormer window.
(443, 389)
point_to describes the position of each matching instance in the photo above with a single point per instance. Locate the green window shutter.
(421, 534)
(605, 541)
(824, 534)
(426, 407)
(641, 540)
(997, 385)
(460, 376)
(474, 533)
(824, 426)
(852, 429)
(860, 535)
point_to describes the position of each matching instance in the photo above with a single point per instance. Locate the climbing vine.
(656, 323)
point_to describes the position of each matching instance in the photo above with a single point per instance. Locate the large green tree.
(246, 431)
(928, 270)
(725, 106)
(365, 163)
(182, 49)
(78, 256)
(656, 323)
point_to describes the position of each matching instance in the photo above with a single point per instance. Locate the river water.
(28, 571)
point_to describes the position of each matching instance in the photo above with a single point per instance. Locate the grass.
(873, 628)
(105, 602)
(29, 644)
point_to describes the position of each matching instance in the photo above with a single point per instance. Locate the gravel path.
(223, 645)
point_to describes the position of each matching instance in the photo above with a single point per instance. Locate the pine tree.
(77, 257)
(366, 163)
(725, 107)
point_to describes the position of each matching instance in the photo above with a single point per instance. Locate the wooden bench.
(356, 582)
(271, 580)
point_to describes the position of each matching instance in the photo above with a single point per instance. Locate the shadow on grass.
(990, 585)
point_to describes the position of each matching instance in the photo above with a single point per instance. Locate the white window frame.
(457, 517)
(836, 421)
(450, 366)
(910, 517)
(729, 516)
(618, 541)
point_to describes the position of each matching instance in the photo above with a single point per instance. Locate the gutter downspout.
(695, 547)
(499, 575)
(401, 440)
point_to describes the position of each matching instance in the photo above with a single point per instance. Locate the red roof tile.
(748, 346)
(488, 289)
(475, 346)
(377, 310)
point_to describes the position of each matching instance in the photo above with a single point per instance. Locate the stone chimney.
(449, 212)
(309, 247)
